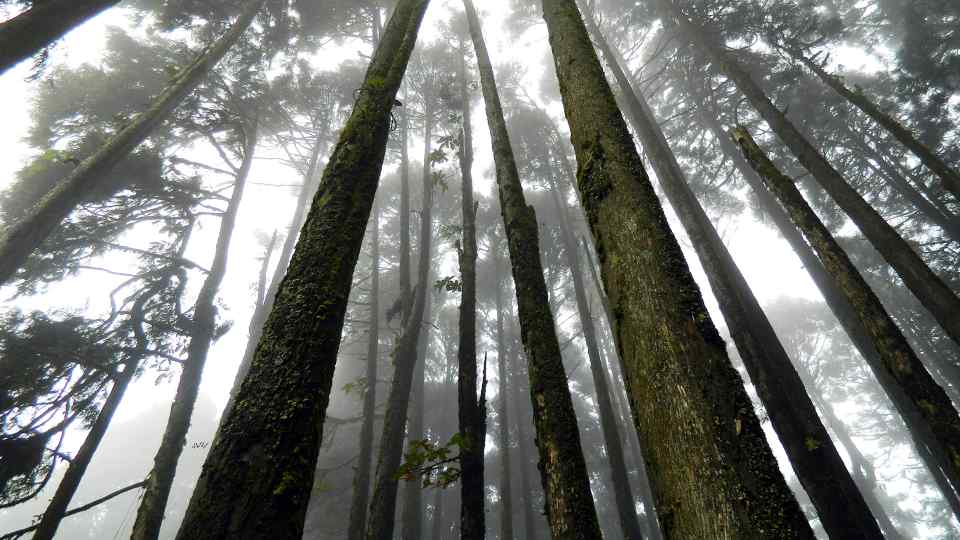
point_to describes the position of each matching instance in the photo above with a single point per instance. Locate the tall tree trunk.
(700, 435)
(202, 330)
(384, 502)
(626, 508)
(412, 509)
(563, 472)
(816, 461)
(471, 413)
(532, 519)
(949, 178)
(361, 481)
(503, 418)
(928, 410)
(24, 237)
(932, 292)
(258, 476)
(44, 23)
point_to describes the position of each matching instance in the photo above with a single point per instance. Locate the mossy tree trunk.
(932, 292)
(407, 368)
(711, 469)
(258, 476)
(30, 32)
(816, 461)
(563, 472)
(505, 489)
(22, 238)
(203, 328)
(361, 480)
(927, 410)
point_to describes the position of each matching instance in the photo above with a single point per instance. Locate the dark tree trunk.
(700, 435)
(26, 235)
(503, 417)
(927, 408)
(202, 330)
(819, 467)
(472, 413)
(412, 508)
(949, 178)
(258, 476)
(45, 22)
(932, 292)
(361, 481)
(563, 472)
(407, 369)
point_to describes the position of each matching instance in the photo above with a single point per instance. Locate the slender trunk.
(202, 330)
(405, 299)
(24, 237)
(503, 417)
(258, 476)
(569, 503)
(472, 414)
(668, 344)
(932, 412)
(932, 292)
(412, 510)
(40, 26)
(816, 461)
(262, 275)
(361, 481)
(949, 178)
(384, 502)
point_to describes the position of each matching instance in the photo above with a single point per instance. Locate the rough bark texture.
(503, 417)
(407, 368)
(202, 330)
(257, 478)
(44, 23)
(932, 412)
(471, 413)
(712, 472)
(563, 473)
(819, 467)
(361, 481)
(932, 292)
(21, 239)
(949, 178)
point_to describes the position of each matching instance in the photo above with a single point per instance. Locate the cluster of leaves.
(432, 463)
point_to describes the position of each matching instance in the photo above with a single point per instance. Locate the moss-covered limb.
(569, 503)
(44, 23)
(932, 292)
(842, 509)
(712, 472)
(407, 373)
(203, 327)
(257, 478)
(21, 239)
(471, 413)
(931, 407)
(949, 178)
(503, 413)
(361, 480)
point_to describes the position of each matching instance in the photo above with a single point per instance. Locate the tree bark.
(569, 503)
(361, 481)
(21, 239)
(928, 408)
(700, 435)
(503, 417)
(816, 461)
(40, 26)
(258, 476)
(932, 292)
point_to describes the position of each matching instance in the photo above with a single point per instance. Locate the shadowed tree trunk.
(929, 410)
(44, 23)
(701, 438)
(202, 330)
(819, 467)
(932, 292)
(21, 239)
(503, 417)
(361, 481)
(949, 178)
(563, 472)
(257, 479)
(412, 508)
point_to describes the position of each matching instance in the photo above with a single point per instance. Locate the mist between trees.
(513, 269)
